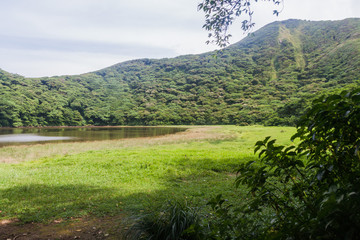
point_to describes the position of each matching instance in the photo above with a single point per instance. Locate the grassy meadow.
(45, 182)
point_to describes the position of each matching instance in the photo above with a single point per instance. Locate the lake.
(17, 136)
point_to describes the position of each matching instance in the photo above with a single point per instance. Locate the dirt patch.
(80, 228)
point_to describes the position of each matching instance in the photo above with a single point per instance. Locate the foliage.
(174, 221)
(308, 191)
(269, 78)
(220, 14)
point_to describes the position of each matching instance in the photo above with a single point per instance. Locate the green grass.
(128, 179)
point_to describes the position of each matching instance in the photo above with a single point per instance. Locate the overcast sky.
(57, 37)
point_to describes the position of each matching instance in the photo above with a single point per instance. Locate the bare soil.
(80, 228)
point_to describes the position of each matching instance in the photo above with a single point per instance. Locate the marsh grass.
(108, 178)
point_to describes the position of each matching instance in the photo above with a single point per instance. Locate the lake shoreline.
(31, 136)
(23, 153)
(105, 126)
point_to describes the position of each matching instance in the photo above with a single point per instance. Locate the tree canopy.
(220, 14)
(268, 78)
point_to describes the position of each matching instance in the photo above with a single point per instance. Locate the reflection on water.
(15, 136)
(29, 138)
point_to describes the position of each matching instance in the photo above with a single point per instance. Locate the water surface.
(16, 136)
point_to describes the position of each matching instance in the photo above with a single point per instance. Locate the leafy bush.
(308, 191)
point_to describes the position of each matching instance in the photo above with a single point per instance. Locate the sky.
(41, 38)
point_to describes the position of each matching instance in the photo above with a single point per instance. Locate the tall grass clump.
(173, 221)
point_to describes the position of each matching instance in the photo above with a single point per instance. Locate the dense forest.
(267, 78)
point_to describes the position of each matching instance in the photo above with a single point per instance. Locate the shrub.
(308, 191)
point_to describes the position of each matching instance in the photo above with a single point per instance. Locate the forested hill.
(267, 78)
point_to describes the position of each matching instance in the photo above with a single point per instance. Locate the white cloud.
(42, 63)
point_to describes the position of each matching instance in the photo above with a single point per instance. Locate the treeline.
(269, 78)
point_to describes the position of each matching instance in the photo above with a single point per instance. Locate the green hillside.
(268, 78)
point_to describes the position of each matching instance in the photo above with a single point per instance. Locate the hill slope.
(267, 78)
